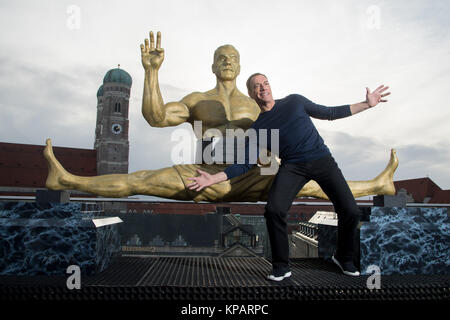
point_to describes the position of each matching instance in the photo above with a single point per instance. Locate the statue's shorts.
(251, 186)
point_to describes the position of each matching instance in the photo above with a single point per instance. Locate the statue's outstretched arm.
(154, 110)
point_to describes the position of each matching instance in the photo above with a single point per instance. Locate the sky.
(54, 55)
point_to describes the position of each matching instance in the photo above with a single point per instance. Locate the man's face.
(260, 89)
(226, 64)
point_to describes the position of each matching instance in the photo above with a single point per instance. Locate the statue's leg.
(170, 183)
(161, 183)
(382, 184)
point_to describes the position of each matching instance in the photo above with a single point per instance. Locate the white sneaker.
(347, 267)
(279, 275)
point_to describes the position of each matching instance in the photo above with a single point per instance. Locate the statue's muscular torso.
(221, 111)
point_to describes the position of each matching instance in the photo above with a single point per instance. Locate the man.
(304, 156)
(223, 107)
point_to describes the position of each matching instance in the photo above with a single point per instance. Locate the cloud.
(426, 161)
(363, 158)
(40, 102)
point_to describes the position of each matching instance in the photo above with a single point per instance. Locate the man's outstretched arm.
(372, 99)
(154, 110)
(205, 179)
(338, 112)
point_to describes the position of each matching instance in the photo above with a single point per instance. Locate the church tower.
(111, 131)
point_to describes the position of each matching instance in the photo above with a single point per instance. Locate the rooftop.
(204, 279)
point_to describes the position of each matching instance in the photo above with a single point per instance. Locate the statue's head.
(226, 64)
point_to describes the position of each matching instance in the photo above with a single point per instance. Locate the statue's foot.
(385, 180)
(57, 175)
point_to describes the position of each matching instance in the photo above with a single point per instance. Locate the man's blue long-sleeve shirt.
(299, 140)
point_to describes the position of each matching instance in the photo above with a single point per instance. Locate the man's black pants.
(290, 179)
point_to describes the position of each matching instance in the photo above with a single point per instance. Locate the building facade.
(23, 169)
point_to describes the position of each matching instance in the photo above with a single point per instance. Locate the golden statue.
(223, 107)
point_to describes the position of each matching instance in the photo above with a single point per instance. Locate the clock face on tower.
(116, 128)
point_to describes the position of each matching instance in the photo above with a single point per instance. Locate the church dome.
(118, 75)
(100, 91)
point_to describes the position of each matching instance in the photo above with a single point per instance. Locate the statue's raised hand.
(152, 57)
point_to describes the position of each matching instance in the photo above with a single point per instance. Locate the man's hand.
(205, 180)
(373, 98)
(152, 57)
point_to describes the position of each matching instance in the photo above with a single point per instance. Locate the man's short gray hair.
(250, 79)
